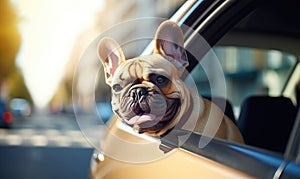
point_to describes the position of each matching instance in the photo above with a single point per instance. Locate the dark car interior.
(267, 122)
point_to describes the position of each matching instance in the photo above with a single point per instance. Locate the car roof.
(273, 25)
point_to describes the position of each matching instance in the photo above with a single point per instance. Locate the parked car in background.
(20, 107)
(257, 44)
(6, 117)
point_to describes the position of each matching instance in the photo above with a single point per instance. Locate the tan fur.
(213, 118)
(206, 118)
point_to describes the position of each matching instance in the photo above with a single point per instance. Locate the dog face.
(147, 92)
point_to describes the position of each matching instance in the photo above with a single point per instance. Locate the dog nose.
(139, 96)
(142, 92)
(139, 93)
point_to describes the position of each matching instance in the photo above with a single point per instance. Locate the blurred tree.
(10, 42)
(17, 87)
(10, 38)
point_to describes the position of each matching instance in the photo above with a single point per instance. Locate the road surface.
(49, 146)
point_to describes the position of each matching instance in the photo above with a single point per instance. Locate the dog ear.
(111, 55)
(169, 41)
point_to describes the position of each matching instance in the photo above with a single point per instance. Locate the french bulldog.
(149, 94)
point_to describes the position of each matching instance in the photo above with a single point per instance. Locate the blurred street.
(47, 145)
(42, 129)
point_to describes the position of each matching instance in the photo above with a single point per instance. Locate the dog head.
(147, 92)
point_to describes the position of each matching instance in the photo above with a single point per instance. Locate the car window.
(247, 71)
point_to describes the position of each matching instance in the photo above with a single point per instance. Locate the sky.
(49, 29)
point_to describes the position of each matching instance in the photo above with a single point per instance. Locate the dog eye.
(117, 87)
(161, 80)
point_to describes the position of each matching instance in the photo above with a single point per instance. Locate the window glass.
(247, 71)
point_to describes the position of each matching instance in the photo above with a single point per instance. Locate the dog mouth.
(149, 121)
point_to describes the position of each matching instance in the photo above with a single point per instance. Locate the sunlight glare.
(49, 30)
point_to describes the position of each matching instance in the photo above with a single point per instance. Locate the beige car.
(258, 46)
